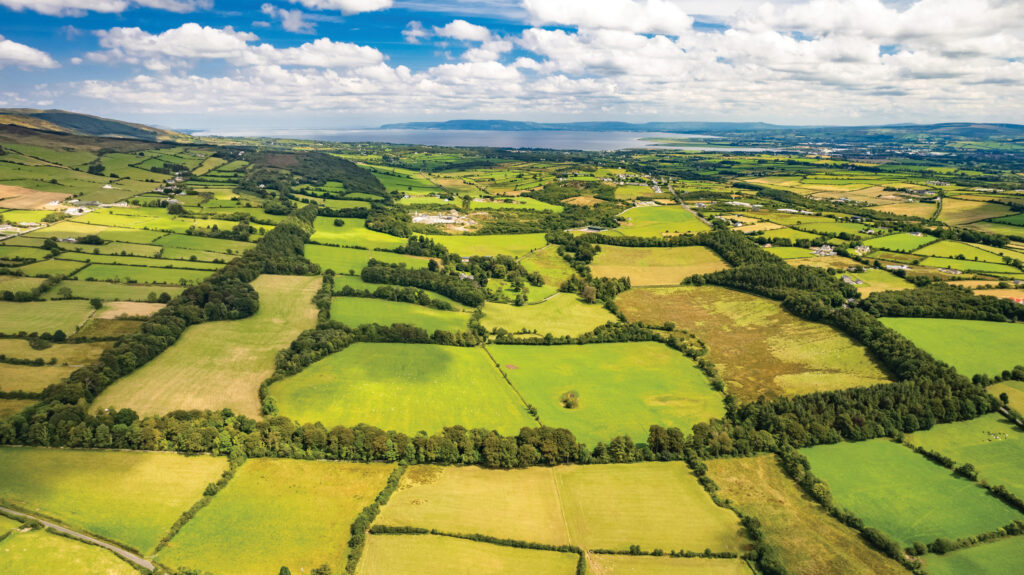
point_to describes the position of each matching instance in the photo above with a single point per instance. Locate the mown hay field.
(655, 266)
(44, 316)
(438, 555)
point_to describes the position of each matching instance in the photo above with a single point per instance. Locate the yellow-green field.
(629, 565)
(658, 221)
(305, 526)
(43, 316)
(562, 314)
(221, 364)
(129, 497)
(31, 378)
(437, 555)
(42, 553)
(655, 266)
(808, 540)
(758, 347)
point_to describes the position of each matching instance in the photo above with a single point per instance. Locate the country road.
(123, 553)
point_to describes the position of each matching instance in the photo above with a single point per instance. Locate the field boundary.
(529, 408)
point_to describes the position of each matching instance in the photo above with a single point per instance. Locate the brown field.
(808, 540)
(31, 378)
(1015, 294)
(26, 199)
(116, 309)
(582, 201)
(9, 407)
(957, 212)
(629, 565)
(69, 353)
(838, 262)
(655, 266)
(917, 209)
(759, 348)
(108, 328)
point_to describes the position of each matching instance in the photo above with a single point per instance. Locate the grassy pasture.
(141, 275)
(203, 244)
(562, 314)
(450, 499)
(356, 311)
(315, 502)
(75, 229)
(808, 540)
(186, 254)
(879, 280)
(913, 209)
(9, 407)
(903, 494)
(438, 555)
(899, 242)
(108, 328)
(1003, 557)
(236, 356)
(625, 564)
(16, 284)
(22, 253)
(623, 388)
(69, 353)
(789, 252)
(658, 221)
(346, 260)
(353, 233)
(119, 248)
(971, 347)
(968, 265)
(991, 443)
(405, 387)
(39, 552)
(949, 249)
(1013, 389)
(515, 245)
(551, 266)
(48, 268)
(789, 234)
(793, 356)
(114, 310)
(109, 291)
(130, 497)
(43, 316)
(654, 505)
(31, 378)
(655, 266)
(137, 261)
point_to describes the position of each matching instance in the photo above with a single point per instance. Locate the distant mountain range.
(62, 122)
(965, 130)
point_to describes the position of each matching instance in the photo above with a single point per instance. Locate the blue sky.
(230, 65)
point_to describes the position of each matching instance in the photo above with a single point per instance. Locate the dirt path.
(123, 553)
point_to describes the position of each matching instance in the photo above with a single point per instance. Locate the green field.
(969, 265)
(899, 242)
(789, 253)
(129, 497)
(1014, 391)
(203, 244)
(879, 280)
(22, 253)
(65, 353)
(120, 248)
(653, 505)
(404, 387)
(450, 499)
(655, 266)
(141, 275)
(991, 443)
(108, 328)
(139, 261)
(516, 245)
(808, 540)
(31, 378)
(563, 314)
(39, 553)
(109, 291)
(551, 266)
(658, 221)
(792, 356)
(1003, 557)
(16, 284)
(314, 503)
(353, 233)
(971, 347)
(357, 311)
(43, 316)
(437, 555)
(903, 494)
(625, 564)
(948, 249)
(622, 388)
(349, 260)
(48, 268)
(195, 373)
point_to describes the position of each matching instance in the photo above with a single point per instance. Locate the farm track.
(119, 551)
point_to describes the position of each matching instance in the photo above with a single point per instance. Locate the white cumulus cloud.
(15, 54)
(644, 16)
(81, 7)
(346, 6)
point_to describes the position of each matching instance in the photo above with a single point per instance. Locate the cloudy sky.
(226, 64)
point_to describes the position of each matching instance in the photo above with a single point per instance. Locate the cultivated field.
(808, 540)
(1003, 557)
(437, 555)
(903, 494)
(970, 346)
(655, 266)
(40, 553)
(31, 378)
(221, 364)
(793, 356)
(450, 499)
(405, 387)
(653, 505)
(562, 314)
(356, 311)
(958, 212)
(129, 497)
(314, 503)
(617, 392)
